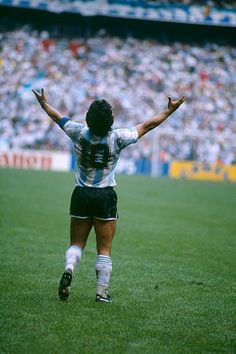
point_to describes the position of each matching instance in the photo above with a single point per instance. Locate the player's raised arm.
(51, 112)
(153, 122)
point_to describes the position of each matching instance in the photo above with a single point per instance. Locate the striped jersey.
(97, 157)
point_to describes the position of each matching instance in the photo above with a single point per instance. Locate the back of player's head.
(100, 117)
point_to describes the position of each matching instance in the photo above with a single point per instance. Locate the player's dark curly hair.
(99, 117)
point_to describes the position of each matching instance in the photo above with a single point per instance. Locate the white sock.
(73, 255)
(103, 272)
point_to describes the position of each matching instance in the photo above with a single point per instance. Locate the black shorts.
(100, 203)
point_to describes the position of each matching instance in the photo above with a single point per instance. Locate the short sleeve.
(72, 129)
(126, 137)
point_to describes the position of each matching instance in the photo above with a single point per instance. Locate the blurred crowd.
(135, 76)
(230, 4)
(226, 4)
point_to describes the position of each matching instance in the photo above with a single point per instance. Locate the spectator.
(134, 75)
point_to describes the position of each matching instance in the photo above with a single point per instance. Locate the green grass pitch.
(174, 265)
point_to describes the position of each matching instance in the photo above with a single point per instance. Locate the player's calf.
(103, 272)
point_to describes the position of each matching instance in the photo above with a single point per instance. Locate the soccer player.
(94, 202)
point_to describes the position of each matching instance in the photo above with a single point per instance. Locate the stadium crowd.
(135, 76)
(226, 4)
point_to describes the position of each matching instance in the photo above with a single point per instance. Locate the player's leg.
(105, 232)
(105, 216)
(79, 232)
(80, 226)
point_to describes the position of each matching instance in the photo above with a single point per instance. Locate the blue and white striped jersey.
(97, 157)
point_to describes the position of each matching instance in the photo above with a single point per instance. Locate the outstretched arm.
(153, 122)
(51, 112)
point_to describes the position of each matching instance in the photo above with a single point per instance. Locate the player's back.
(97, 156)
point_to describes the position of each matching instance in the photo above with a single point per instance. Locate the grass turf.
(173, 280)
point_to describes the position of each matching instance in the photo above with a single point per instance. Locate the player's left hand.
(173, 105)
(41, 97)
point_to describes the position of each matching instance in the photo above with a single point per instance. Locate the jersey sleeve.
(126, 137)
(72, 129)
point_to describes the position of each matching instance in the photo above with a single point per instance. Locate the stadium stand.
(135, 76)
